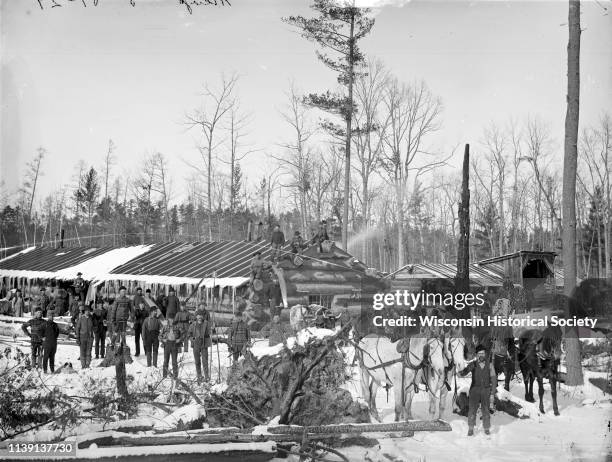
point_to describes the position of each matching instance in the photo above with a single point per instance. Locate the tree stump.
(111, 357)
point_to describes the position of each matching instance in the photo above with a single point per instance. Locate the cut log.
(504, 405)
(407, 426)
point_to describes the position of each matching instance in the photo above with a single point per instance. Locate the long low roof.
(65, 263)
(478, 275)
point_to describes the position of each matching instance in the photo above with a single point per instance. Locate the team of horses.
(430, 360)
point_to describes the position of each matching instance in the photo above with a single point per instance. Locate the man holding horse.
(482, 389)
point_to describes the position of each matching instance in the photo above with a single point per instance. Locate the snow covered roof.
(225, 263)
(65, 263)
(480, 276)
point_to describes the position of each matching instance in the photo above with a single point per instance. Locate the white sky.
(73, 77)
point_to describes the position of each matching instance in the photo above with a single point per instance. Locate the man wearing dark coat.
(50, 343)
(173, 304)
(199, 333)
(482, 389)
(150, 337)
(140, 314)
(37, 326)
(98, 319)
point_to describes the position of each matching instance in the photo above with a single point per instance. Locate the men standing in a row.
(123, 310)
(99, 327)
(199, 333)
(84, 332)
(50, 343)
(170, 337)
(150, 337)
(37, 327)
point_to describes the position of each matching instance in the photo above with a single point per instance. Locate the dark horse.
(539, 357)
(503, 351)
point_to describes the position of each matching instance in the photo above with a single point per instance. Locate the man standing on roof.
(123, 311)
(276, 242)
(297, 243)
(257, 264)
(173, 304)
(321, 235)
(37, 327)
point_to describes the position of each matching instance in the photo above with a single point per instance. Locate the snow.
(101, 265)
(132, 451)
(21, 252)
(183, 415)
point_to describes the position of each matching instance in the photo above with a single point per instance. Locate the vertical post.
(462, 280)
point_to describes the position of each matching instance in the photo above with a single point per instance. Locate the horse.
(380, 362)
(539, 358)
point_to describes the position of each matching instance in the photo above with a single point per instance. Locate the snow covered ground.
(581, 433)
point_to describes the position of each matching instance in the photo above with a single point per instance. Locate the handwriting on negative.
(188, 4)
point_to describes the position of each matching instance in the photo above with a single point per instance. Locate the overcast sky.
(73, 77)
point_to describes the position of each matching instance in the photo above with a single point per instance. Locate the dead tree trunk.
(462, 280)
(570, 161)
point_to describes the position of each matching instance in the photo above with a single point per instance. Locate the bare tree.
(217, 104)
(161, 184)
(570, 161)
(297, 164)
(369, 133)
(413, 113)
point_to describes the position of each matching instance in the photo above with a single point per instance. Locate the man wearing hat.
(85, 336)
(297, 243)
(482, 389)
(199, 333)
(123, 310)
(140, 314)
(42, 301)
(50, 343)
(321, 236)
(277, 241)
(150, 337)
(173, 304)
(98, 319)
(79, 284)
(257, 264)
(37, 327)
(170, 336)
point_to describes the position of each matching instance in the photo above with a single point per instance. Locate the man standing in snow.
(276, 242)
(182, 320)
(170, 337)
(138, 298)
(84, 337)
(482, 389)
(150, 337)
(173, 304)
(37, 327)
(239, 336)
(50, 343)
(42, 301)
(139, 316)
(98, 319)
(123, 310)
(199, 333)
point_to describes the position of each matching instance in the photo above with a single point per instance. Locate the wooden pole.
(462, 280)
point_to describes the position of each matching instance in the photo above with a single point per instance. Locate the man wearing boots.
(84, 337)
(123, 310)
(98, 319)
(150, 337)
(37, 327)
(482, 389)
(239, 335)
(276, 242)
(139, 317)
(172, 304)
(199, 333)
(170, 337)
(182, 320)
(50, 343)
